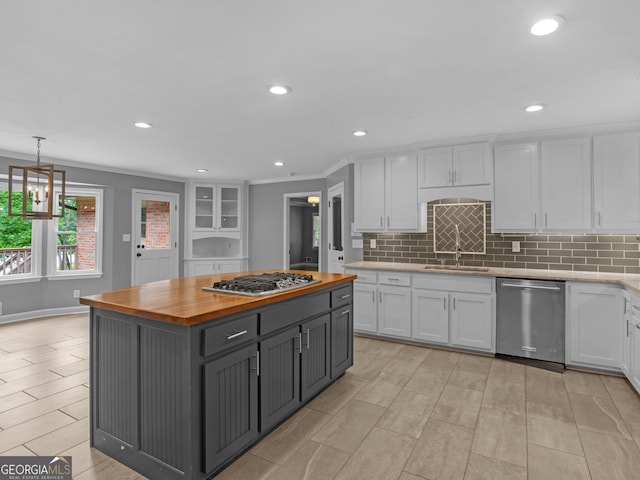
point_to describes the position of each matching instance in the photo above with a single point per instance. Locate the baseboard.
(47, 312)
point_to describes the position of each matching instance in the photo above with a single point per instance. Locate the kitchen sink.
(460, 268)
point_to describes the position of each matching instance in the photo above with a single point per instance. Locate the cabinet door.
(201, 268)
(230, 406)
(430, 315)
(229, 266)
(401, 193)
(369, 195)
(434, 169)
(627, 327)
(616, 162)
(279, 376)
(341, 340)
(316, 356)
(594, 325)
(365, 306)
(472, 164)
(394, 311)
(565, 171)
(471, 320)
(635, 352)
(228, 212)
(204, 207)
(515, 201)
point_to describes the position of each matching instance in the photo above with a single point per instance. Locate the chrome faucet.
(458, 246)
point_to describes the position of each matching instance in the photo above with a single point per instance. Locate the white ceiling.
(408, 71)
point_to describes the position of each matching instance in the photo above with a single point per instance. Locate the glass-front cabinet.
(216, 207)
(215, 236)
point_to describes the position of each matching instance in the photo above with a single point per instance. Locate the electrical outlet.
(515, 247)
(373, 243)
(76, 294)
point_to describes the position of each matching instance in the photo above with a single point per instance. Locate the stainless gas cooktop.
(263, 284)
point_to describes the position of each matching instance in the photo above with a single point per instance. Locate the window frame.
(52, 255)
(36, 249)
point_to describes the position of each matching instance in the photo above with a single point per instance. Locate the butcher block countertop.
(182, 300)
(630, 281)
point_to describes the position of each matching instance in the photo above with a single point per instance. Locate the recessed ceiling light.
(202, 170)
(534, 108)
(279, 164)
(547, 25)
(279, 89)
(143, 125)
(359, 133)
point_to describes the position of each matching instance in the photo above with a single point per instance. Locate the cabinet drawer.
(293, 312)
(365, 276)
(453, 282)
(341, 296)
(220, 337)
(393, 278)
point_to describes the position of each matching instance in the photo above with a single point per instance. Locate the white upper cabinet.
(515, 201)
(369, 195)
(565, 185)
(435, 167)
(616, 161)
(386, 194)
(458, 165)
(215, 207)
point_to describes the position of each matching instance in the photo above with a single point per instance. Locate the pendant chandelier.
(36, 185)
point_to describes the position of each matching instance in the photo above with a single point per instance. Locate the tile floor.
(400, 413)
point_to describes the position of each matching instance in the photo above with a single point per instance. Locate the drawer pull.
(393, 279)
(236, 335)
(345, 312)
(345, 296)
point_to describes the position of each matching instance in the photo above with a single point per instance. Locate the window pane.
(155, 224)
(76, 234)
(15, 237)
(316, 230)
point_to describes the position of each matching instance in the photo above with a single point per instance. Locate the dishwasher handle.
(534, 287)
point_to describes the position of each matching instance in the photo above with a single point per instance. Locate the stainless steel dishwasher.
(530, 321)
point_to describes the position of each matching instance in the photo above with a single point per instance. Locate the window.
(19, 257)
(75, 239)
(316, 231)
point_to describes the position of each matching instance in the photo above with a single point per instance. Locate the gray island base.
(176, 401)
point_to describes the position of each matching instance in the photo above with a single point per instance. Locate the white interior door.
(155, 242)
(336, 229)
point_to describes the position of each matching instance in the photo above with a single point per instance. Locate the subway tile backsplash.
(585, 253)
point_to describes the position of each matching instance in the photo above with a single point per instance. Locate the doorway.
(302, 231)
(155, 236)
(335, 222)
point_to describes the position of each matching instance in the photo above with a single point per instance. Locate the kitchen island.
(183, 380)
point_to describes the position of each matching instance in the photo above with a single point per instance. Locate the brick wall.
(585, 252)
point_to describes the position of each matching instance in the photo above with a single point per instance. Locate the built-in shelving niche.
(216, 247)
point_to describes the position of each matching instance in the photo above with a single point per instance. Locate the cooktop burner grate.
(263, 284)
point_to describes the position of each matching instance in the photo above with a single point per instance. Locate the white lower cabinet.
(454, 310)
(430, 315)
(634, 342)
(593, 325)
(394, 310)
(382, 303)
(471, 321)
(193, 268)
(627, 331)
(365, 301)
